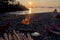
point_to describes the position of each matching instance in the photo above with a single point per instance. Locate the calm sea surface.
(40, 10)
(36, 10)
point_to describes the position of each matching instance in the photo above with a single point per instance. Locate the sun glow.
(29, 10)
(30, 3)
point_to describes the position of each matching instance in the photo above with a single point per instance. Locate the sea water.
(35, 10)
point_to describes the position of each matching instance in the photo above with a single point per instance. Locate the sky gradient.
(40, 2)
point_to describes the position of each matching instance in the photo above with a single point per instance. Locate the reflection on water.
(29, 10)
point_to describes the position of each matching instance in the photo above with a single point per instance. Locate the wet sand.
(37, 20)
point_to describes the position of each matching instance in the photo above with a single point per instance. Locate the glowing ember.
(25, 21)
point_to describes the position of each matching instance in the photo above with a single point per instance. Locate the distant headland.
(10, 6)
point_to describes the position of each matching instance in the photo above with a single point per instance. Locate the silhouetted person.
(55, 13)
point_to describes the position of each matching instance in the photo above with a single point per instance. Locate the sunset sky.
(40, 2)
